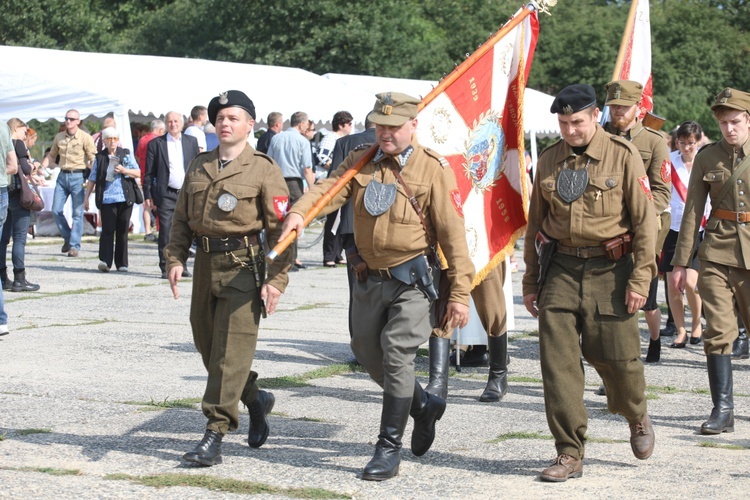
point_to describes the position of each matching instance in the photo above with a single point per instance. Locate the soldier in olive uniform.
(722, 171)
(230, 196)
(590, 188)
(390, 297)
(624, 99)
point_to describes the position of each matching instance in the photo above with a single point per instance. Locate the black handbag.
(30, 199)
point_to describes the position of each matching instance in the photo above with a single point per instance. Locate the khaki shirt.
(615, 201)
(75, 152)
(725, 242)
(397, 235)
(655, 156)
(262, 198)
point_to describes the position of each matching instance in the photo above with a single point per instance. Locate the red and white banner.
(635, 53)
(476, 123)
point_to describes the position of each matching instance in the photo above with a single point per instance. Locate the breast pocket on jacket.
(605, 197)
(715, 180)
(247, 208)
(197, 195)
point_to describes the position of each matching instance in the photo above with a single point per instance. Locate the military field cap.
(573, 99)
(733, 99)
(623, 93)
(229, 99)
(393, 109)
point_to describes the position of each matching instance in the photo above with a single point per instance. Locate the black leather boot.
(259, 410)
(654, 351)
(720, 382)
(208, 451)
(426, 409)
(438, 384)
(497, 381)
(741, 346)
(384, 464)
(20, 284)
(7, 284)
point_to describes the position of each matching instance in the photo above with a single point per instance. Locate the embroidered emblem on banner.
(485, 151)
(280, 206)
(646, 186)
(666, 171)
(457, 204)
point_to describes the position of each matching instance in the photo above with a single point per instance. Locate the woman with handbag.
(113, 177)
(17, 224)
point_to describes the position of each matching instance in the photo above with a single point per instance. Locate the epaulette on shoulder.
(362, 147)
(556, 143)
(655, 132)
(709, 146)
(440, 158)
(625, 143)
(263, 155)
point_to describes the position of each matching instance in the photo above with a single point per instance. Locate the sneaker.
(4, 330)
(122, 269)
(73, 252)
(65, 248)
(103, 267)
(151, 237)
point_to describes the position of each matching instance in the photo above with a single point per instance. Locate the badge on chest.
(227, 202)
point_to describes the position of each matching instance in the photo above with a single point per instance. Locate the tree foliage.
(698, 46)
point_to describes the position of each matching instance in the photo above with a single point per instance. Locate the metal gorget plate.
(572, 183)
(379, 197)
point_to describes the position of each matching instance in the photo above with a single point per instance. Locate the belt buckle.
(204, 244)
(578, 252)
(385, 273)
(740, 217)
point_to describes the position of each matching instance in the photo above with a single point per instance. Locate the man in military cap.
(590, 209)
(230, 196)
(624, 101)
(391, 299)
(722, 171)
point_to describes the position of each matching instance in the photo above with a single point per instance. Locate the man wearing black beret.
(592, 218)
(230, 195)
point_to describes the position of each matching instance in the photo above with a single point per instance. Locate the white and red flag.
(634, 57)
(476, 123)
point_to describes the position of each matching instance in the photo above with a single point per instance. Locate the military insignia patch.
(666, 171)
(280, 206)
(567, 109)
(646, 186)
(457, 203)
(223, 99)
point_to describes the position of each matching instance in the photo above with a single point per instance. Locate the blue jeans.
(17, 226)
(69, 184)
(3, 215)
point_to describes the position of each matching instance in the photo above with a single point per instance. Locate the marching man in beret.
(394, 288)
(230, 195)
(592, 217)
(721, 171)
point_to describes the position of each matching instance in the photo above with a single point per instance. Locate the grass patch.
(531, 334)
(65, 293)
(709, 444)
(663, 389)
(310, 419)
(531, 380)
(605, 440)
(652, 396)
(302, 379)
(225, 485)
(424, 352)
(26, 432)
(519, 435)
(52, 471)
(2, 436)
(307, 307)
(166, 404)
(67, 325)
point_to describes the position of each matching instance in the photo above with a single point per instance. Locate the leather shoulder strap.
(413, 201)
(730, 182)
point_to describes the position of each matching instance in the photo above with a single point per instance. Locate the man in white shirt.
(198, 119)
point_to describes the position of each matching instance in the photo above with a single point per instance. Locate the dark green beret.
(573, 99)
(229, 99)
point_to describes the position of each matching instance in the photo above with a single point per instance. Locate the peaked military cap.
(393, 109)
(573, 99)
(623, 93)
(733, 99)
(229, 99)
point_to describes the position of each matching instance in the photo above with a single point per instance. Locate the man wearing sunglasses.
(76, 150)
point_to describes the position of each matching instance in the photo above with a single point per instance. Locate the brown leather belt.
(581, 252)
(380, 273)
(228, 244)
(733, 216)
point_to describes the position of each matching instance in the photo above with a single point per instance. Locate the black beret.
(228, 99)
(573, 99)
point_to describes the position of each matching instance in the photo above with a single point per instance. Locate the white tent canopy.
(43, 84)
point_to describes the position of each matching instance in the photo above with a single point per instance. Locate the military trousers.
(224, 315)
(582, 311)
(391, 320)
(720, 287)
(489, 300)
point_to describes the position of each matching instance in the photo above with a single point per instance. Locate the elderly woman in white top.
(113, 177)
(688, 138)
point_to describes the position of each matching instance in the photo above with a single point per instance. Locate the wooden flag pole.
(365, 158)
(624, 43)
